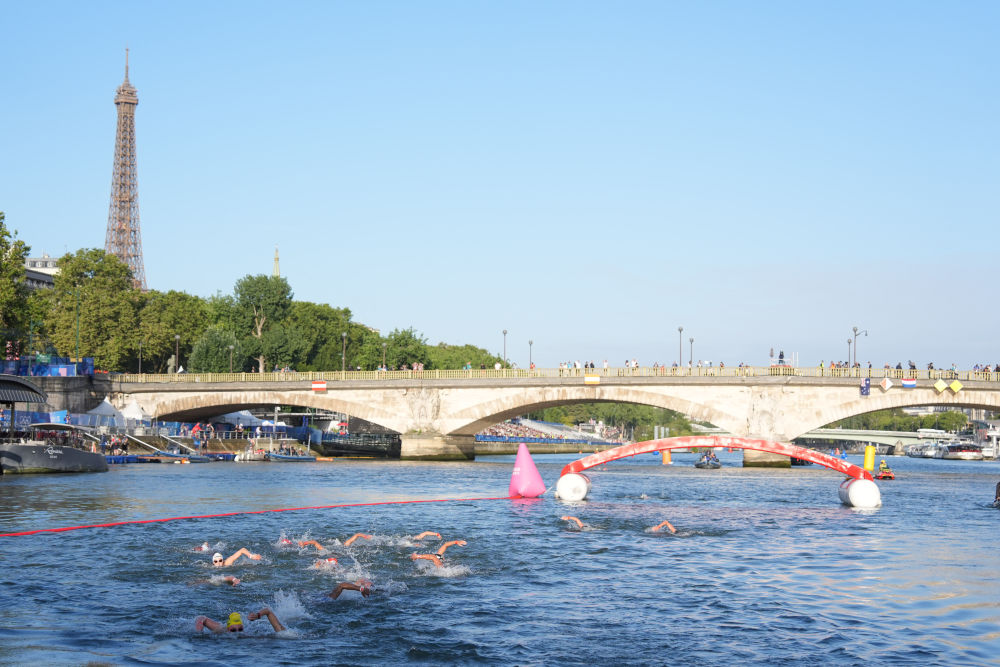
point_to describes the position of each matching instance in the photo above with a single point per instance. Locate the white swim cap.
(217, 556)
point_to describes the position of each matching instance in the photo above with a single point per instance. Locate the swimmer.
(235, 622)
(325, 562)
(350, 540)
(204, 547)
(664, 524)
(579, 524)
(362, 585)
(444, 547)
(284, 541)
(319, 547)
(228, 579)
(434, 558)
(426, 533)
(996, 499)
(218, 561)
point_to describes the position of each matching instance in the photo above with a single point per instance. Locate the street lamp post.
(857, 332)
(691, 352)
(680, 346)
(505, 347)
(530, 362)
(230, 358)
(177, 352)
(848, 351)
(343, 352)
(384, 367)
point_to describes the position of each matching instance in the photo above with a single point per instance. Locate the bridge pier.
(436, 447)
(757, 459)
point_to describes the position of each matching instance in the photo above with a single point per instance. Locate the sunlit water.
(766, 567)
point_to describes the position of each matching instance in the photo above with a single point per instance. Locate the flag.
(909, 383)
(866, 387)
(319, 385)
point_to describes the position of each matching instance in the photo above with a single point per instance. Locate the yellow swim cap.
(235, 619)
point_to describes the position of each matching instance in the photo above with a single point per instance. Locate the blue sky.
(585, 175)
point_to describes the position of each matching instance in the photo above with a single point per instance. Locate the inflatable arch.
(859, 491)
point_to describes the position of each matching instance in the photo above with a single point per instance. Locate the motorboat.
(885, 474)
(251, 454)
(275, 456)
(52, 448)
(959, 451)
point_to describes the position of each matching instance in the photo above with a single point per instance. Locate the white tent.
(105, 409)
(242, 417)
(134, 411)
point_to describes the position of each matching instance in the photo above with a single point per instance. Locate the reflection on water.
(765, 566)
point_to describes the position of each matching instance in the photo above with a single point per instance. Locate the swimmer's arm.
(319, 547)
(347, 586)
(573, 518)
(431, 557)
(658, 526)
(445, 546)
(206, 622)
(231, 580)
(266, 611)
(427, 533)
(351, 539)
(242, 552)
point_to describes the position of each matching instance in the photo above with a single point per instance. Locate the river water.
(766, 567)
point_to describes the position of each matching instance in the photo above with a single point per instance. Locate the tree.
(406, 346)
(164, 315)
(93, 300)
(13, 289)
(211, 353)
(261, 301)
(447, 356)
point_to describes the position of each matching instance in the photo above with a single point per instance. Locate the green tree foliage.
(637, 420)
(897, 420)
(164, 315)
(321, 327)
(261, 302)
(97, 287)
(211, 354)
(406, 346)
(13, 290)
(443, 355)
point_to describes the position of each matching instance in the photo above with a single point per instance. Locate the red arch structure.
(684, 442)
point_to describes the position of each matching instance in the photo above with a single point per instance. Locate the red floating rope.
(212, 516)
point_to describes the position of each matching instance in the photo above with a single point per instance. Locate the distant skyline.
(584, 175)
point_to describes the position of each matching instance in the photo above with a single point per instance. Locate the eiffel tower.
(124, 238)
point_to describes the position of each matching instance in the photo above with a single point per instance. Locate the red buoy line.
(213, 516)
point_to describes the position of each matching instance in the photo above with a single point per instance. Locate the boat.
(251, 454)
(51, 448)
(957, 450)
(274, 456)
(885, 474)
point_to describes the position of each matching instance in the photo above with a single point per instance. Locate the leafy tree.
(321, 327)
(261, 302)
(211, 353)
(13, 289)
(95, 290)
(164, 315)
(406, 346)
(446, 356)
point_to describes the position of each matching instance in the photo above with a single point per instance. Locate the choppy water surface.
(766, 566)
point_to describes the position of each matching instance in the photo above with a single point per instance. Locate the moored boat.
(274, 456)
(960, 451)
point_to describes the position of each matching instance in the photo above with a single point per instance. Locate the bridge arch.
(686, 441)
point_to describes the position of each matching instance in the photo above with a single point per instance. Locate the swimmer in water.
(228, 579)
(434, 558)
(579, 524)
(235, 622)
(444, 547)
(996, 499)
(362, 585)
(218, 561)
(350, 540)
(319, 547)
(325, 562)
(426, 533)
(660, 526)
(204, 547)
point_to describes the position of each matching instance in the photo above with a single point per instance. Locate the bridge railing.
(876, 374)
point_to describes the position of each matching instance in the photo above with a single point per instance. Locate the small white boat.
(251, 454)
(959, 451)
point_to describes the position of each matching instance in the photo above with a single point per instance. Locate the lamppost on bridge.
(530, 362)
(343, 352)
(177, 352)
(857, 332)
(680, 346)
(384, 367)
(230, 358)
(505, 348)
(848, 351)
(691, 358)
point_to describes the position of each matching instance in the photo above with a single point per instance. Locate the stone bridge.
(437, 413)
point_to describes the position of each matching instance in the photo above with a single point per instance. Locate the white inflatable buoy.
(861, 493)
(573, 486)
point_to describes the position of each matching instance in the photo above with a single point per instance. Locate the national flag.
(866, 387)
(909, 383)
(319, 385)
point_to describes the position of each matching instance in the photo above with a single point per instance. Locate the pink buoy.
(525, 482)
